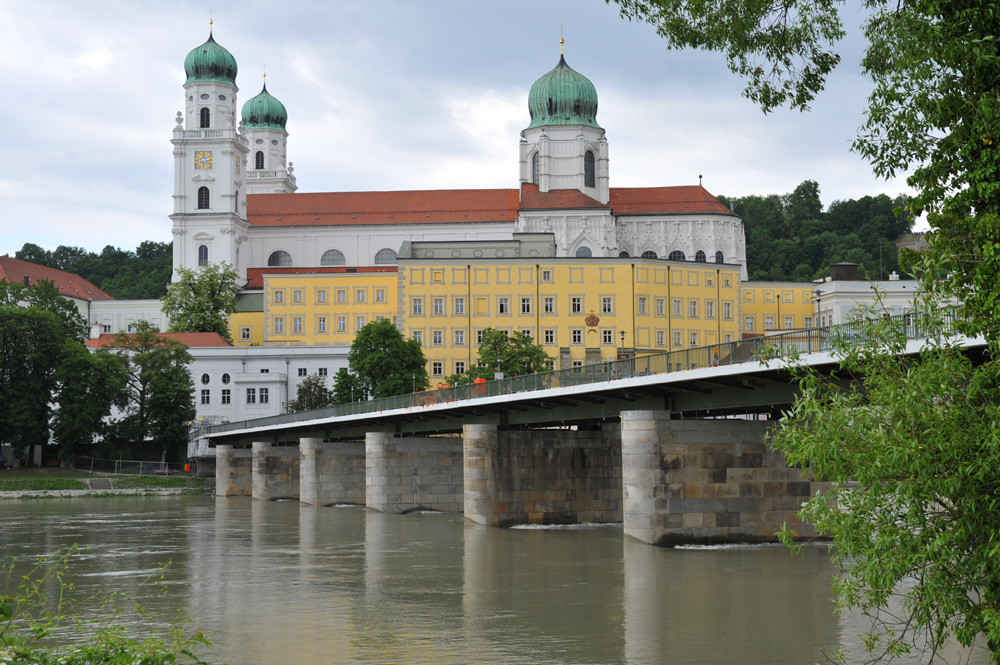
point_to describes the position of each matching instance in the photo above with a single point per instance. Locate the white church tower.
(209, 218)
(264, 119)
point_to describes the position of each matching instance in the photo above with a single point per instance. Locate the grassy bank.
(32, 480)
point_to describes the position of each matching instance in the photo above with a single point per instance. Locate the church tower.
(264, 119)
(209, 217)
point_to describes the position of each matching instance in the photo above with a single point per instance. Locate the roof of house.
(195, 340)
(683, 200)
(256, 275)
(556, 199)
(69, 284)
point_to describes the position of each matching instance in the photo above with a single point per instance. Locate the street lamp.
(414, 375)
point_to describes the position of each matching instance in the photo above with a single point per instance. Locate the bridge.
(671, 444)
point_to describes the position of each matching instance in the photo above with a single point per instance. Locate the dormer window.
(205, 118)
(589, 174)
(204, 198)
(258, 160)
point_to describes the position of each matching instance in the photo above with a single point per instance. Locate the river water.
(283, 582)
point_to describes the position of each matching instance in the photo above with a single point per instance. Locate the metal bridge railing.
(778, 345)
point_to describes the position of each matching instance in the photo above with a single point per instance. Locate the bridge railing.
(778, 345)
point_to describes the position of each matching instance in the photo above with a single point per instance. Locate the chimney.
(27, 280)
(844, 271)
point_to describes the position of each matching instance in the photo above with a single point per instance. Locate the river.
(283, 582)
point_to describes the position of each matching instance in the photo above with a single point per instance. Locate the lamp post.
(414, 375)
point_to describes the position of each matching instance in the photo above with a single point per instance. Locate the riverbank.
(68, 494)
(67, 483)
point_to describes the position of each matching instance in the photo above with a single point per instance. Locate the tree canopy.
(384, 364)
(202, 299)
(513, 354)
(311, 393)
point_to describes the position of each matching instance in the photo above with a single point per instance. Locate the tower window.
(202, 255)
(589, 175)
(280, 258)
(719, 258)
(258, 160)
(584, 252)
(204, 198)
(676, 255)
(699, 256)
(205, 118)
(534, 169)
(333, 257)
(385, 257)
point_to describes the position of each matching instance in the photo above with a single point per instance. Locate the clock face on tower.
(203, 159)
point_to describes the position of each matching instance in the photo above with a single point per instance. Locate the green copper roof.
(210, 62)
(563, 97)
(264, 112)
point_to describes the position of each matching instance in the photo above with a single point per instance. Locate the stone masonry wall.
(405, 474)
(331, 472)
(706, 481)
(275, 471)
(233, 471)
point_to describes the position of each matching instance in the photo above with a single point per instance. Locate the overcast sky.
(381, 95)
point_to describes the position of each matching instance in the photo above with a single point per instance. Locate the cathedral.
(235, 197)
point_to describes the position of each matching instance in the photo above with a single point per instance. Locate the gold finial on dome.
(561, 41)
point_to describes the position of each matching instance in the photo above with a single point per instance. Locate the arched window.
(204, 198)
(385, 257)
(719, 258)
(649, 254)
(202, 255)
(333, 257)
(676, 255)
(623, 254)
(258, 160)
(206, 118)
(699, 256)
(584, 252)
(589, 175)
(534, 169)
(280, 259)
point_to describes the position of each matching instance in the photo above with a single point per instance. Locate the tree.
(312, 393)
(384, 364)
(201, 300)
(514, 355)
(45, 296)
(89, 384)
(344, 389)
(158, 399)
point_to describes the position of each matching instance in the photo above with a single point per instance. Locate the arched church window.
(623, 254)
(534, 169)
(589, 175)
(385, 257)
(202, 255)
(676, 255)
(719, 258)
(700, 256)
(650, 254)
(333, 257)
(258, 160)
(584, 252)
(280, 259)
(205, 118)
(204, 198)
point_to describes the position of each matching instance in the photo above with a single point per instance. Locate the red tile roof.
(556, 199)
(256, 275)
(367, 208)
(199, 340)
(69, 284)
(685, 200)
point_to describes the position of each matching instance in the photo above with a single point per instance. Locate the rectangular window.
(321, 296)
(788, 322)
(379, 295)
(341, 324)
(279, 324)
(279, 297)
(245, 333)
(768, 323)
(321, 324)
(727, 338)
(677, 307)
(479, 337)
(576, 305)
(437, 368)
(206, 397)
(106, 328)
(642, 305)
(297, 296)
(727, 310)
(546, 275)
(660, 338)
(359, 295)
(710, 309)
(606, 307)
(503, 306)
(660, 306)
(809, 322)
(359, 323)
(438, 306)
(748, 324)
(321, 371)
(550, 305)
(709, 280)
(265, 371)
(577, 365)
(297, 324)
(460, 305)
(341, 295)
(606, 337)
(418, 336)
(677, 339)
(577, 336)
(460, 367)
(550, 364)
(251, 395)
(550, 336)
(225, 395)
(525, 305)
(437, 337)
(694, 339)
(693, 309)
(263, 395)
(726, 281)
(303, 371)
(459, 338)
(418, 306)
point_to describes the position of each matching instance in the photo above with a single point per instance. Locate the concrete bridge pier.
(275, 471)
(403, 474)
(542, 476)
(331, 472)
(233, 471)
(707, 481)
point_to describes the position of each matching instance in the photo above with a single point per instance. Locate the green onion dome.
(563, 97)
(264, 112)
(210, 62)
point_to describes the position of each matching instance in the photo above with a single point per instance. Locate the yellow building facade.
(768, 307)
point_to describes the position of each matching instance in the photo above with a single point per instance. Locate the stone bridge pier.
(275, 471)
(331, 472)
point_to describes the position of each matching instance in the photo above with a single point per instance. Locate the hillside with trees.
(791, 237)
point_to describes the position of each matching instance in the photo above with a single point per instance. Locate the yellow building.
(772, 306)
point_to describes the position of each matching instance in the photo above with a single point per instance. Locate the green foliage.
(384, 364)
(912, 450)
(88, 386)
(514, 355)
(312, 393)
(41, 622)
(344, 389)
(10, 483)
(45, 296)
(202, 299)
